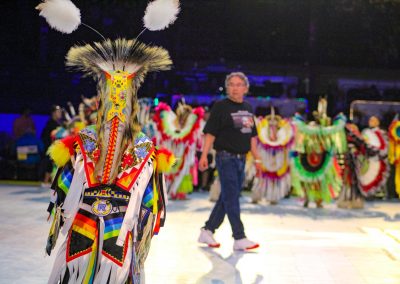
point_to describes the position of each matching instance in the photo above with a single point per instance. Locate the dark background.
(281, 37)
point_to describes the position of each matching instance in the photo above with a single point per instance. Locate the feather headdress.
(102, 60)
(119, 66)
(121, 54)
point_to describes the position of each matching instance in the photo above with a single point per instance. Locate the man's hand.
(203, 163)
(208, 142)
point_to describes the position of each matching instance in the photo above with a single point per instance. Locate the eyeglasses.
(236, 85)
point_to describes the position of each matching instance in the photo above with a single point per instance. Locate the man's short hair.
(237, 74)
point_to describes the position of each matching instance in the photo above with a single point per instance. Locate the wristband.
(257, 161)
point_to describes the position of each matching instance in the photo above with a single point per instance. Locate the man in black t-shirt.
(232, 130)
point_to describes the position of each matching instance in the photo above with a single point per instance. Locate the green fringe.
(316, 185)
(186, 185)
(304, 175)
(319, 139)
(170, 129)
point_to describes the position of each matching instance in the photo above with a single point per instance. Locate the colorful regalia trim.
(64, 179)
(83, 232)
(110, 151)
(394, 151)
(112, 227)
(132, 161)
(148, 196)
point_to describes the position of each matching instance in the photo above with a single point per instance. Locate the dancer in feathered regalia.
(179, 133)
(316, 174)
(109, 190)
(350, 196)
(275, 139)
(394, 150)
(374, 169)
(352, 163)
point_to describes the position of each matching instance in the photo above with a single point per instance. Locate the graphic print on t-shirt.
(243, 120)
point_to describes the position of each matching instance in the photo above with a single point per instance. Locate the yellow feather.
(165, 161)
(59, 153)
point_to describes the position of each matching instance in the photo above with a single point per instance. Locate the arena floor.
(297, 245)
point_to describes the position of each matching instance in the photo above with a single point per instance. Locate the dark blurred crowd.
(23, 154)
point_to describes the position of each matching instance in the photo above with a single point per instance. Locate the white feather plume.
(61, 15)
(160, 14)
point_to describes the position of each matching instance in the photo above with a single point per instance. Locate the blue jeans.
(231, 174)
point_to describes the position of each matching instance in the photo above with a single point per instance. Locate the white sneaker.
(244, 244)
(207, 237)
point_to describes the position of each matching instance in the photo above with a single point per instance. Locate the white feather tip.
(61, 15)
(160, 14)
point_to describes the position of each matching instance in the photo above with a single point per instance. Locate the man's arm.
(208, 142)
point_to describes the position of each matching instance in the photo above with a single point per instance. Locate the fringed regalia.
(179, 133)
(351, 196)
(394, 151)
(275, 139)
(109, 194)
(374, 169)
(108, 226)
(316, 173)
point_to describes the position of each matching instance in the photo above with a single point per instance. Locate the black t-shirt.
(233, 126)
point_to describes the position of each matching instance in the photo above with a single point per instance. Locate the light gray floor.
(297, 245)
